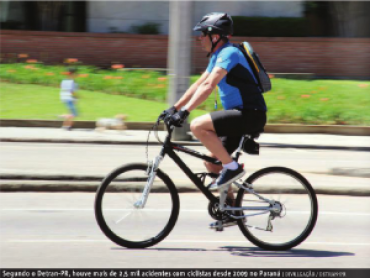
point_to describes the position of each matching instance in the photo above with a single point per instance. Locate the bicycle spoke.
(123, 217)
(128, 224)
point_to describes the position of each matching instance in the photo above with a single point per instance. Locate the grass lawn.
(22, 101)
(142, 95)
(332, 102)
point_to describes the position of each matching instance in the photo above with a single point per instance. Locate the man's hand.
(169, 112)
(179, 118)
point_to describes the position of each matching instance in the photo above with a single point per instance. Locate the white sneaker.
(212, 185)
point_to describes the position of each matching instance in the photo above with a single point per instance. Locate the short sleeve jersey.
(234, 92)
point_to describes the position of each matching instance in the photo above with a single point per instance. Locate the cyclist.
(245, 109)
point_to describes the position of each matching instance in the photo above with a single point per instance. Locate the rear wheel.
(118, 215)
(295, 209)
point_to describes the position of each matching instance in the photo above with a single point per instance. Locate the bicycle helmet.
(215, 23)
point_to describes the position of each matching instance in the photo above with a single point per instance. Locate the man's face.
(205, 42)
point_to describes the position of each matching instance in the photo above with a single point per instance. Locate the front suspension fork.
(152, 172)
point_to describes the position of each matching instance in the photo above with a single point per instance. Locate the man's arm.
(190, 92)
(205, 88)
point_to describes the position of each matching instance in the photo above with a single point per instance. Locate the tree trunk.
(49, 14)
(350, 19)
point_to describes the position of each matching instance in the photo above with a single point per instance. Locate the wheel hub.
(278, 209)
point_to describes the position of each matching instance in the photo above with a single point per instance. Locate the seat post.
(239, 149)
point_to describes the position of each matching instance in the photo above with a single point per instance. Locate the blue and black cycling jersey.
(238, 89)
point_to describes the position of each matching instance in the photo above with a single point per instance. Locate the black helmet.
(216, 23)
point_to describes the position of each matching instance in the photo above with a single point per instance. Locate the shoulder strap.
(249, 59)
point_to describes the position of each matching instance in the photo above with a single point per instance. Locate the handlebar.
(168, 126)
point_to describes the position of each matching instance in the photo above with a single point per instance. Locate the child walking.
(68, 96)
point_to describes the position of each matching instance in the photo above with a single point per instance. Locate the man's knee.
(196, 126)
(200, 124)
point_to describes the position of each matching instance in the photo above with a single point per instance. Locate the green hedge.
(270, 26)
(150, 28)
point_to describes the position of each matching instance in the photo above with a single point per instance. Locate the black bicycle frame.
(169, 147)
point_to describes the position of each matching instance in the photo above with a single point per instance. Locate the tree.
(50, 13)
(350, 19)
(338, 19)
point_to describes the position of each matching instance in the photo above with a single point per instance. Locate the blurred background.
(147, 50)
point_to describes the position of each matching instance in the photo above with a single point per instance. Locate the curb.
(272, 128)
(76, 124)
(88, 183)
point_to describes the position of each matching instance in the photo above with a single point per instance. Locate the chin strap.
(213, 44)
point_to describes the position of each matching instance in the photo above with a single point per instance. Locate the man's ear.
(215, 38)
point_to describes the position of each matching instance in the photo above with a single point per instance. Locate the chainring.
(215, 213)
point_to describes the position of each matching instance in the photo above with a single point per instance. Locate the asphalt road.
(58, 230)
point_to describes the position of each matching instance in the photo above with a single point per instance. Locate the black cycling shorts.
(231, 125)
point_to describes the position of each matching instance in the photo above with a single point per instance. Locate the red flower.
(117, 66)
(71, 60)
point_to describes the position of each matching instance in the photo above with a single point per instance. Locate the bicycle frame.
(169, 148)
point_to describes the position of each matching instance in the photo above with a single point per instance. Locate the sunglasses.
(203, 34)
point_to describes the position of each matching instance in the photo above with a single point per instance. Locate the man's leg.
(203, 128)
(213, 168)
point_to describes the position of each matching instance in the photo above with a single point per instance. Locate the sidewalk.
(90, 136)
(29, 182)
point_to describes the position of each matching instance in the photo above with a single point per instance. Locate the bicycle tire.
(249, 232)
(167, 187)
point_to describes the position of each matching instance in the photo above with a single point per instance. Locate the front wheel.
(119, 214)
(294, 213)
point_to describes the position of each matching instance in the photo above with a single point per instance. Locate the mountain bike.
(137, 205)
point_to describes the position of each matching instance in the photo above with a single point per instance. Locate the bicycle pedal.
(219, 227)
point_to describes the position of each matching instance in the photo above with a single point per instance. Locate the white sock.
(231, 166)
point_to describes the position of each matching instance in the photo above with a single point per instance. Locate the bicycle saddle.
(254, 135)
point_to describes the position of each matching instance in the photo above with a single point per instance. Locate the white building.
(120, 16)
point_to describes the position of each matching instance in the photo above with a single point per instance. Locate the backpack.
(255, 63)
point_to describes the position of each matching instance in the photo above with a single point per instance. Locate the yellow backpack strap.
(251, 57)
